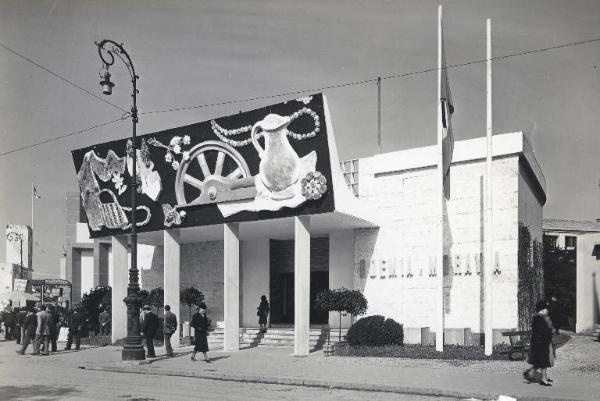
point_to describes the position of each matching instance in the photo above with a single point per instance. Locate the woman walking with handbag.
(201, 324)
(541, 354)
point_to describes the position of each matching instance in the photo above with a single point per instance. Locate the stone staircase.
(274, 337)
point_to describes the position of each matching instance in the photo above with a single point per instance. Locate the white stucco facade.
(382, 242)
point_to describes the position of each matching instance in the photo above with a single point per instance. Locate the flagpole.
(379, 113)
(439, 331)
(31, 239)
(489, 250)
(32, 206)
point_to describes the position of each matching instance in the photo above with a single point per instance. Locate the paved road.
(56, 377)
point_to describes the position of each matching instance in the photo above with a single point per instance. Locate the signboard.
(266, 163)
(20, 285)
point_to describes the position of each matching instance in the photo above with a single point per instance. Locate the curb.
(292, 381)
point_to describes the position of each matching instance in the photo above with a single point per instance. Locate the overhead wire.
(61, 137)
(288, 93)
(49, 71)
(369, 80)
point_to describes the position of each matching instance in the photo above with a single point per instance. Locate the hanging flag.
(34, 193)
(447, 111)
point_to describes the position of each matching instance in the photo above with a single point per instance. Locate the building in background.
(17, 263)
(579, 242)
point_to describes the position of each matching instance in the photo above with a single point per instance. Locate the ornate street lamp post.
(132, 347)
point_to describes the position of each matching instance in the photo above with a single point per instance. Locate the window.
(596, 251)
(350, 171)
(570, 242)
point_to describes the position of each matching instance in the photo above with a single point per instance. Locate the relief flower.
(168, 157)
(175, 164)
(186, 155)
(176, 140)
(177, 149)
(314, 185)
(186, 139)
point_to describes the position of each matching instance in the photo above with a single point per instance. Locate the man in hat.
(170, 327)
(76, 322)
(30, 325)
(149, 328)
(104, 320)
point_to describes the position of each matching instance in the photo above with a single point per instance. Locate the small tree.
(156, 298)
(342, 300)
(90, 303)
(191, 296)
(144, 297)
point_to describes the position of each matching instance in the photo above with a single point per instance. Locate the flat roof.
(571, 226)
(513, 143)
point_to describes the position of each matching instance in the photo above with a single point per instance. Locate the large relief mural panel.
(266, 163)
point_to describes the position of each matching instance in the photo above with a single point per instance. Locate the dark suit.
(54, 329)
(170, 327)
(30, 325)
(75, 325)
(20, 325)
(149, 328)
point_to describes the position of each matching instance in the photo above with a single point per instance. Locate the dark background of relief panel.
(209, 214)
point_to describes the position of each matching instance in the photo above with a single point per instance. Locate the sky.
(192, 54)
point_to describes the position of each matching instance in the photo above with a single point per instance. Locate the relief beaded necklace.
(224, 134)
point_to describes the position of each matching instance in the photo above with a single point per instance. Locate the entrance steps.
(274, 337)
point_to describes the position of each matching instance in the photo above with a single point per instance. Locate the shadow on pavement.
(36, 391)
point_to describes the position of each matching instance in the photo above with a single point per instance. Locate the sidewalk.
(577, 376)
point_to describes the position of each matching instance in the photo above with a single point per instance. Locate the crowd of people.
(41, 326)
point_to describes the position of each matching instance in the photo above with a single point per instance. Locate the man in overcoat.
(149, 328)
(30, 325)
(42, 332)
(169, 329)
(76, 321)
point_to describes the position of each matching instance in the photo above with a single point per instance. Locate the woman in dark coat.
(200, 323)
(541, 354)
(263, 313)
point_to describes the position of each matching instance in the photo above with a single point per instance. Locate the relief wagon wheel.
(209, 159)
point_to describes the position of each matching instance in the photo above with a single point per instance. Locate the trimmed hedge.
(375, 330)
(415, 351)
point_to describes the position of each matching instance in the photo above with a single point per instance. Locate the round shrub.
(375, 330)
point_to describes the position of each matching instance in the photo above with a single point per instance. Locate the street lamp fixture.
(106, 84)
(132, 347)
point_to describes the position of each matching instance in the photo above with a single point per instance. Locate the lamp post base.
(133, 350)
(133, 354)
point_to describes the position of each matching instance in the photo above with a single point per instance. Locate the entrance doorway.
(282, 280)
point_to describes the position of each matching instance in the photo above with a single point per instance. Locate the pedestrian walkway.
(577, 377)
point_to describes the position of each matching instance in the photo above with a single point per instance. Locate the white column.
(231, 268)
(301, 284)
(172, 259)
(120, 280)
